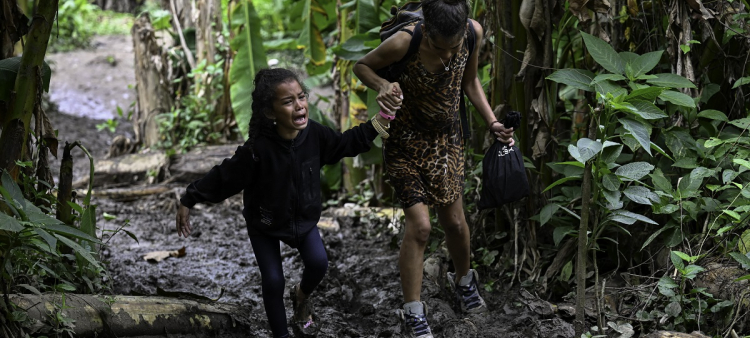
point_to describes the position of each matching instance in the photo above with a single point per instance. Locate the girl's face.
(289, 109)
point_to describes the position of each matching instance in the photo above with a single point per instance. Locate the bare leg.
(453, 221)
(411, 256)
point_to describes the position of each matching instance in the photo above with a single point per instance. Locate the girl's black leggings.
(268, 254)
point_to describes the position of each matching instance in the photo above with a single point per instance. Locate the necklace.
(446, 67)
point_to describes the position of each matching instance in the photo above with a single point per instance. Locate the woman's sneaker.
(414, 321)
(304, 322)
(467, 292)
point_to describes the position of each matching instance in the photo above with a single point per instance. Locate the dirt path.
(359, 294)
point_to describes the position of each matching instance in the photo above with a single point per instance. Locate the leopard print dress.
(424, 155)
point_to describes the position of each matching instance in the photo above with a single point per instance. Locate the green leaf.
(566, 271)
(645, 63)
(646, 94)
(250, 57)
(88, 225)
(560, 232)
(51, 240)
(546, 214)
(608, 87)
(31, 288)
(621, 219)
(673, 309)
(635, 216)
(713, 115)
(365, 16)
(9, 223)
(713, 142)
(72, 232)
(561, 181)
(661, 151)
(604, 54)
(311, 38)
(14, 192)
(634, 171)
(611, 182)
(611, 77)
(744, 163)
(640, 131)
(686, 163)
(740, 258)
(610, 154)
(741, 123)
(614, 199)
(732, 213)
(588, 149)
(671, 81)
(628, 57)
(677, 260)
(677, 98)
(744, 243)
(79, 250)
(653, 236)
(576, 78)
(647, 110)
(37, 216)
(661, 182)
(640, 195)
(741, 81)
(8, 72)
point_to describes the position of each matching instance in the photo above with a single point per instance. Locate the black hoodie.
(282, 185)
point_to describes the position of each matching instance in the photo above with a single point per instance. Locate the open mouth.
(300, 120)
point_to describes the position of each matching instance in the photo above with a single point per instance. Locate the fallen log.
(671, 334)
(130, 316)
(126, 169)
(720, 280)
(194, 164)
(130, 193)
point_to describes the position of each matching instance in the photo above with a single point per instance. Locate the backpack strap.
(416, 39)
(465, 129)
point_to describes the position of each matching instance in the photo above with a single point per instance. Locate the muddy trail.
(361, 290)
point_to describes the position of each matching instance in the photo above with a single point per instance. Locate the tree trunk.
(152, 84)
(131, 316)
(28, 83)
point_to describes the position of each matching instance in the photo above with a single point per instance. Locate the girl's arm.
(387, 53)
(473, 89)
(336, 145)
(223, 181)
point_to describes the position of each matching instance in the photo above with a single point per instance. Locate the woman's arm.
(387, 53)
(473, 89)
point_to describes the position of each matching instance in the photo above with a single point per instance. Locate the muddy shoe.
(304, 322)
(467, 292)
(414, 320)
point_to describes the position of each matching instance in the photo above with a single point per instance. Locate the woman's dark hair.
(445, 18)
(264, 93)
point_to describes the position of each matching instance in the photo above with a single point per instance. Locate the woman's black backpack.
(503, 174)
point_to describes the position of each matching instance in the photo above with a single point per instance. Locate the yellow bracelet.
(379, 128)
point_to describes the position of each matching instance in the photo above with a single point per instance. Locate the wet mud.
(357, 298)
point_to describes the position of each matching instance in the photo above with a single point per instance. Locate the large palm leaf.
(250, 57)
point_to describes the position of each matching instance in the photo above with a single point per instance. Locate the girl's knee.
(455, 227)
(273, 283)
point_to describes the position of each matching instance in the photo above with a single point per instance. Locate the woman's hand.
(503, 134)
(390, 97)
(183, 221)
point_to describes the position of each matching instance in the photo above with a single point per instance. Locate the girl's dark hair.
(445, 18)
(264, 93)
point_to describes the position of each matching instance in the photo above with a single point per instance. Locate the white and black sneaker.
(467, 292)
(414, 320)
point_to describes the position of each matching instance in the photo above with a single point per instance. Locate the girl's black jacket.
(282, 184)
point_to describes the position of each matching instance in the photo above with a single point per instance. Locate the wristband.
(386, 116)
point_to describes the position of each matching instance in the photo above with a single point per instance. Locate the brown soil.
(359, 294)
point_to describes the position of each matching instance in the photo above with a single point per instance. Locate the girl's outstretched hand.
(183, 221)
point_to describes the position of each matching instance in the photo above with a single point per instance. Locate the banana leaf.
(250, 57)
(8, 72)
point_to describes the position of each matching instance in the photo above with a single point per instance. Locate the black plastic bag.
(503, 174)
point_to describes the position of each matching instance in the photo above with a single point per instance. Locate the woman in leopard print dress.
(424, 153)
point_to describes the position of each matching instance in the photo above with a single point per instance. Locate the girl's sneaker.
(414, 323)
(467, 292)
(304, 321)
